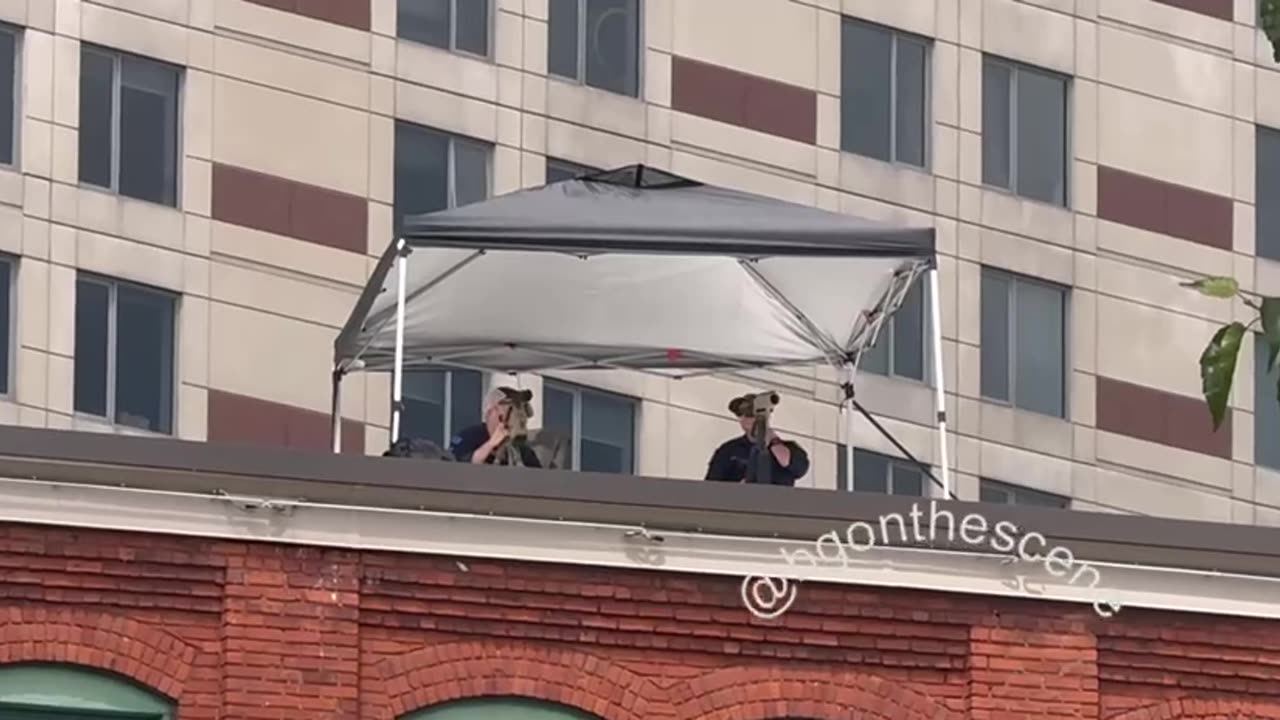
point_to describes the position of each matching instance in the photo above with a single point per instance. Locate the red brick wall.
(258, 631)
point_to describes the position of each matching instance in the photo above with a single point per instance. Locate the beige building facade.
(196, 190)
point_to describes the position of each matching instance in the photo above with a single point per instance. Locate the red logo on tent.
(674, 355)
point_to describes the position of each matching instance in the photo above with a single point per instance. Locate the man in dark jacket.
(490, 442)
(736, 459)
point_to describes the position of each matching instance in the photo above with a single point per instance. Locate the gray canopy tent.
(637, 269)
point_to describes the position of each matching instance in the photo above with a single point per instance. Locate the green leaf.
(1218, 287)
(1218, 369)
(1271, 329)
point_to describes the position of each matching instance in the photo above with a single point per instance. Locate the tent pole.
(846, 414)
(397, 369)
(939, 381)
(336, 411)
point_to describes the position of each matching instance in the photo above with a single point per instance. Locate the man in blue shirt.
(735, 460)
(484, 444)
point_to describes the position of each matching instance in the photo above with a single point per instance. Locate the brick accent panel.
(246, 420)
(1163, 207)
(720, 93)
(1160, 417)
(285, 207)
(352, 13)
(256, 630)
(1221, 9)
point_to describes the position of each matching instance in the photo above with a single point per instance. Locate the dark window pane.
(996, 79)
(425, 21)
(558, 170)
(1266, 409)
(466, 395)
(1006, 494)
(876, 358)
(990, 494)
(421, 172)
(6, 327)
(995, 291)
(557, 408)
(1039, 331)
(563, 38)
(907, 480)
(1041, 137)
(144, 359)
(8, 80)
(148, 130)
(423, 394)
(842, 465)
(470, 172)
(870, 472)
(910, 111)
(612, 46)
(865, 104)
(96, 79)
(92, 305)
(908, 335)
(472, 31)
(1268, 179)
(608, 433)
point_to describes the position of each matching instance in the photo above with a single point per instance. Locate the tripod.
(511, 452)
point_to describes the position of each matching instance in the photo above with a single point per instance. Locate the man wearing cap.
(732, 460)
(479, 444)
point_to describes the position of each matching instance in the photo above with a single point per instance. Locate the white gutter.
(600, 545)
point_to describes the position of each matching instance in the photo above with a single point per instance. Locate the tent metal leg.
(397, 370)
(846, 414)
(939, 380)
(336, 411)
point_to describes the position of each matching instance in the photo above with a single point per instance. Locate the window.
(602, 426)
(558, 170)
(10, 89)
(48, 691)
(1024, 338)
(900, 349)
(124, 353)
(436, 171)
(500, 708)
(129, 125)
(1024, 130)
(991, 491)
(459, 25)
(7, 324)
(1267, 169)
(883, 93)
(1266, 408)
(439, 403)
(596, 42)
(877, 473)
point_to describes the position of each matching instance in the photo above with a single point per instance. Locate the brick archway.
(471, 669)
(767, 694)
(1201, 710)
(125, 647)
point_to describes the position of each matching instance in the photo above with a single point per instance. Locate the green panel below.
(500, 708)
(74, 693)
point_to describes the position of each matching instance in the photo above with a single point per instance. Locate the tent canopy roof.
(633, 267)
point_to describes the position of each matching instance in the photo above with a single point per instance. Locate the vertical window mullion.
(448, 405)
(893, 112)
(577, 429)
(1013, 128)
(450, 172)
(113, 307)
(582, 41)
(1013, 341)
(117, 78)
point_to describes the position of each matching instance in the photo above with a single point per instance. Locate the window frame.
(1262, 249)
(577, 391)
(447, 407)
(451, 165)
(10, 263)
(895, 34)
(117, 82)
(490, 30)
(888, 334)
(1264, 390)
(1011, 318)
(580, 77)
(1016, 68)
(890, 462)
(19, 38)
(113, 310)
(1012, 492)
